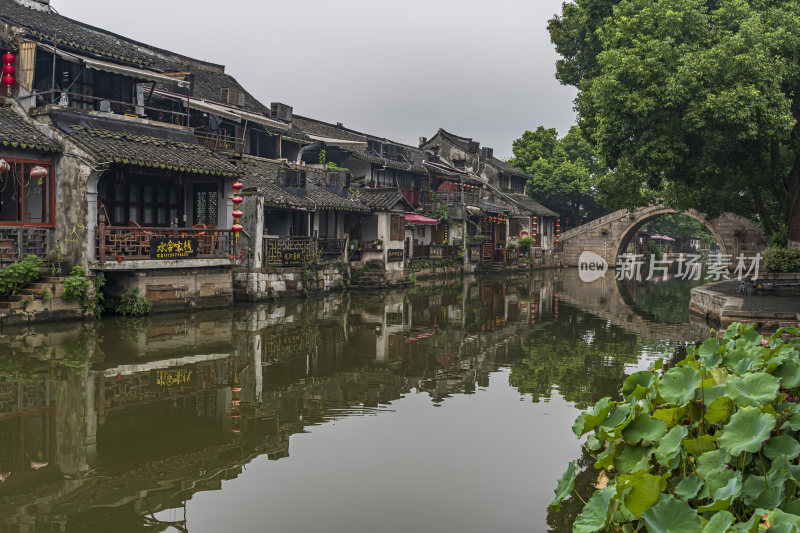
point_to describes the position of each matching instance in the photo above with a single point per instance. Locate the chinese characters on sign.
(172, 377)
(394, 255)
(689, 266)
(292, 258)
(173, 247)
(437, 252)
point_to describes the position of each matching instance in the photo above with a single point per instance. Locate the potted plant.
(58, 267)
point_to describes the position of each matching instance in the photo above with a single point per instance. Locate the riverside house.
(510, 212)
(131, 171)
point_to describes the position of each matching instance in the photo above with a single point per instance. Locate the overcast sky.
(398, 69)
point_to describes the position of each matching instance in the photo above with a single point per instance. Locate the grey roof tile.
(153, 152)
(17, 132)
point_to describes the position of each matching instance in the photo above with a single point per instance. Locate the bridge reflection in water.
(116, 425)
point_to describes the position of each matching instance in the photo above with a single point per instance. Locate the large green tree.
(564, 171)
(695, 103)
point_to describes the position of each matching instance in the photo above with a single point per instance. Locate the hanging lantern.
(237, 185)
(4, 166)
(236, 402)
(8, 80)
(237, 199)
(9, 70)
(8, 57)
(237, 214)
(38, 173)
(237, 228)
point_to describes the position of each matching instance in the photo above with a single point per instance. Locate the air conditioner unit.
(231, 96)
(281, 111)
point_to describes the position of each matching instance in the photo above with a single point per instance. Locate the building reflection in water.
(109, 424)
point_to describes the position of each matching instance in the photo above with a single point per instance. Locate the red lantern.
(237, 185)
(236, 388)
(236, 401)
(8, 57)
(237, 199)
(9, 70)
(38, 173)
(237, 228)
(237, 214)
(8, 80)
(4, 166)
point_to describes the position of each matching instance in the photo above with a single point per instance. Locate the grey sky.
(395, 69)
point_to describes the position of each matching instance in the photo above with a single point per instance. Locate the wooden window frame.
(51, 178)
(397, 228)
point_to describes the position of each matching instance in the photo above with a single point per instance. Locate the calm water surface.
(445, 408)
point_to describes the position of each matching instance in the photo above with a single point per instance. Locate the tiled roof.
(531, 204)
(262, 175)
(502, 166)
(152, 152)
(324, 129)
(16, 132)
(463, 143)
(82, 37)
(326, 198)
(383, 199)
(411, 161)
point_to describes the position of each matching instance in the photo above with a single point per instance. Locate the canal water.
(443, 408)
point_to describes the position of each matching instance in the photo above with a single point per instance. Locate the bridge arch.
(609, 236)
(656, 211)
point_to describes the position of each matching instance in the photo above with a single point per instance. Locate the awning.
(220, 110)
(334, 142)
(658, 237)
(420, 220)
(474, 211)
(106, 66)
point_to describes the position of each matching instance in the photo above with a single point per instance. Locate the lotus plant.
(709, 445)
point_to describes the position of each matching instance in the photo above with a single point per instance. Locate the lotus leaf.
(671, 515)
(678, 385)
(752, 390)
(747, 429)
(565, 485)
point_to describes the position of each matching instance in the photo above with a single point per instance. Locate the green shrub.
(16, 275)
(76, 287)
(525, 243)
(777, 259)
(711, 443)
(133, 304)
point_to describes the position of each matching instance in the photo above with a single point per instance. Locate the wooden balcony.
(120, 243)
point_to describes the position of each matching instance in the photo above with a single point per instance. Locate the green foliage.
(690, 103)
(677, 225)
(16, 275)
(26, 301)
(76, 287)
(46, 296)
(709, 445)
(526, 243)
(133, 304)
(777, 259)
(564, 170)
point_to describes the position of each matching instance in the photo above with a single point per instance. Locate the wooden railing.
(16, 242)
(434, 251)
(113, 243)
(296, 251)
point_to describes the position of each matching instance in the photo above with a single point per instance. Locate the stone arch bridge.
(609, 236)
